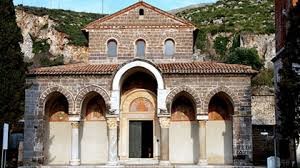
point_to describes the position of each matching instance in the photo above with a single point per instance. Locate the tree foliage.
(12, 66)
(289, 84)
(220, 45)
(264, 78)
(201, 40)
(245, 56)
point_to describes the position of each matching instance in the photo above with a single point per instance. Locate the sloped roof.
(95, 24)
(166, 68)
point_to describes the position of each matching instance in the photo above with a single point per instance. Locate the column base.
(164, 163)
(202, 162)
(75, 162)
(112, 163)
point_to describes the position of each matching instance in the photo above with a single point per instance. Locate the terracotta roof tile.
(167, 68)
(75, 69)
(206, 68)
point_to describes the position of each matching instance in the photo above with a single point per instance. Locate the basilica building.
(141, 99)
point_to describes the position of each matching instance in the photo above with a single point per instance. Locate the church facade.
(141, 99)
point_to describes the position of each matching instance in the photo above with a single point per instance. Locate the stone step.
(144, 166)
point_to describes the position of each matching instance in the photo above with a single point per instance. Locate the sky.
(109, 6)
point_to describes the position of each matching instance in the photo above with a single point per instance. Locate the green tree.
(201, 39)
(12, 66)
(289, 84)
(245, 56)
(220, 45)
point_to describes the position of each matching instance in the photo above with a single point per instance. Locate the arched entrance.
(93, 130)
(127, 69)
(219, 129)
(58, 141)
(184, 130)
(139, 128)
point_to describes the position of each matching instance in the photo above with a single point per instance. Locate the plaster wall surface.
(219, 142)
(94, 143)
(59, 143)
(184, 142)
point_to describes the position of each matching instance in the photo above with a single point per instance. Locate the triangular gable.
(128, 18)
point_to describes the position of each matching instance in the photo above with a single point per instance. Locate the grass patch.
(234, 16)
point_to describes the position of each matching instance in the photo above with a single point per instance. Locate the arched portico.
(119, 77)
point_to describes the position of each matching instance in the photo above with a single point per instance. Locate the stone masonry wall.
(237, 87)
(34, 120)
(154, 38)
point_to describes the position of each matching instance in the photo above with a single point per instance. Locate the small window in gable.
(112, 48)
(141, 12)
(169, 48)
(140, 48)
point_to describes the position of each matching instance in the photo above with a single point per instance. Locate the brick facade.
(200, 80)
(127, 26)
(154, 39)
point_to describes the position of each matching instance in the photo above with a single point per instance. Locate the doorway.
(140, 139)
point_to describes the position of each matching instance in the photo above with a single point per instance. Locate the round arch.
(137, 63)
(188, 90)
(85, 91)
(231, 96)
(117, 81)
(45, 95)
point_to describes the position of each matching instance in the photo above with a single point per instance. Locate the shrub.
(220, 45)
(45, 61)
(235, 41)
(40, 46)
(264, 78)
(201, 39)
(245, 56)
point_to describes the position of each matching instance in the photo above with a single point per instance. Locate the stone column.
(164, 140)
(112, 124)
(75, 144)
(202, 139)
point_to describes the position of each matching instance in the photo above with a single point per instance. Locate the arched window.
(140, 48)
(112, 48)
(169, 48)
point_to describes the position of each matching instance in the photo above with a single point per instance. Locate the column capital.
(164, 122)
(112, 123)
(202, 117)
(75, 124)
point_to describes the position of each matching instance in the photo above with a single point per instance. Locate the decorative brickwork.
(45, 95)
(83, 93)
(189, 90)
(231, 95)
